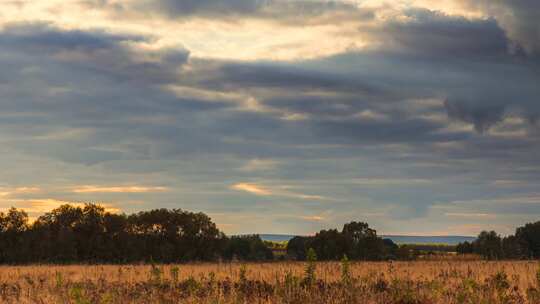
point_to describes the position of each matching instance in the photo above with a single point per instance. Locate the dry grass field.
(333, 282)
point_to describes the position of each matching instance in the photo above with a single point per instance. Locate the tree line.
(89, 234)
(356, 241)
(524, 244)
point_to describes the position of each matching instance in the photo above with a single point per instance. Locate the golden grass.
(429, 281)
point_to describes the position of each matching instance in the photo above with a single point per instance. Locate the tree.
(175, 235)
(14, 221)
(13, 226)
(247, 247)
(363, 242)
(72, 233)
(357, 231)
(529, 238)
(464, 248)
(297, 247)
(356, 240)
(488, 245)
(390, 249)
(329, 244)
(512, 248)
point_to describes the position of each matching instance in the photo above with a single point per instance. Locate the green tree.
(512, 248)
(464, 248)
(329, 244)
(297, 247)
(13, 244)
(488, 245)
(363, 242)
(247, 247)
(528, 237)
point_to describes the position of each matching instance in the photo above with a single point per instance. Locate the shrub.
(309, 276)
(345, 271)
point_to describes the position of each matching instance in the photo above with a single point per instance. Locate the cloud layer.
(333, 111)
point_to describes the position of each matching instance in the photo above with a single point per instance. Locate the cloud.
(481, 116)
(314, 218)
(281, 11)
(251, 188)
(390, 181)
(435, 34)
(281, 191)
(519, 18)
(507, 183)
(214, 8)
(116, 189)
(530, 199)
(259, 165)
(110, 55)
(44, 37)
(471, 215)
(410, 56)
(36, 207)
(287, 76)
(10, 192)
(100, 86)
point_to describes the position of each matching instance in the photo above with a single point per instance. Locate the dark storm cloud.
(428, 33)
(350, 120)
(480, 90)
(212, 7)
(41, 37)
(468, 63)
(256, 8)
(94, 82)
(482, 116)
(498, 91)
(496, 77)
(93, 52)
(477, 92)
(476, 56)
(272, 76)
(319, 105)
(518, 17)
(98, 52)
(405, 131)
(429, 40)
(296, 12)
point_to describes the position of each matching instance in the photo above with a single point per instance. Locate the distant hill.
(399, 239)
(449, 239)
(276, 237)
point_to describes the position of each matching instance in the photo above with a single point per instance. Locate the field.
(288, 282)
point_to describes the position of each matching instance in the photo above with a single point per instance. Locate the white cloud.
(252, 188)
(313, 218)
(263, 190)
(526, 199)
(260, 165)
(9, 192)
(389, 181)
(116, 189)
(471, 215)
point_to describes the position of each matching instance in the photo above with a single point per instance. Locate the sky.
(276, 116)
